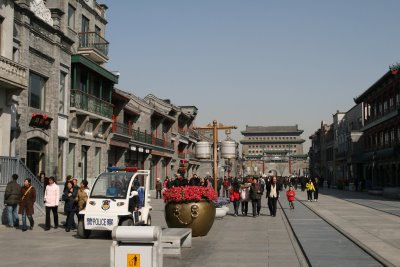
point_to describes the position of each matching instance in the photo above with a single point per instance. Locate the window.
(97, 161)
(1, 29)
(15, 56)
(97, 30)
(71, 160)
(71, 17)
(36, 91)
(61, 99)
(85, 24)
(60, 161)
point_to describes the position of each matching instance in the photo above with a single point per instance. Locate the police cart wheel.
(82, 233)
(127, 222)
(148, 223)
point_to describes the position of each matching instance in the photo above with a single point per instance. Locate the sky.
(258, 63)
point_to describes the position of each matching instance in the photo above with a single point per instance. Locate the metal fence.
(11, 165)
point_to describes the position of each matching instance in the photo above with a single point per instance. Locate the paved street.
(237, 241)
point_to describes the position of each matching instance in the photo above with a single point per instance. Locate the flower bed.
(186, 194)
(221, 201)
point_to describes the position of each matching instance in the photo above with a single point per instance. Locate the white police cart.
(119, 197)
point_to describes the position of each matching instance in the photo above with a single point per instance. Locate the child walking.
(290, 196)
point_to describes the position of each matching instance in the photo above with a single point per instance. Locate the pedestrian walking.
(158, 188)
(26, 201)
(256, 192)
(272, 195)
(226, 184)
(310, 189)
(51, 200)
(82, 196)
(170, 183)
(316, 188)
(290, 194)
(11, 198)
(219, 186)
(68, 178)
(235, 196)
(69, 198)
(245, 197)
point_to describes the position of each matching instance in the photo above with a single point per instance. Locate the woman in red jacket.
(235, 196)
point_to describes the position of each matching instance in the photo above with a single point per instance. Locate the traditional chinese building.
(381, 131)
(278, 148)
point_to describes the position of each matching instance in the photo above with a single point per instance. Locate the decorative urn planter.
(196, 215)
(190, 207)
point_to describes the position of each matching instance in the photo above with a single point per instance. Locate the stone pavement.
(239, 241)
(375, 231)
(324, 245)
(232, 241)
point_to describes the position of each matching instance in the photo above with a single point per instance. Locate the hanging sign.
(40, 121)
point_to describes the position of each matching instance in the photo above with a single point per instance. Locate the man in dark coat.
(11, 198)
(26, 201)
(256, 191)
(195, 180)
(180, 181)
(272, 195)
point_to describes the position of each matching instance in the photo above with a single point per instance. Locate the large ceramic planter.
(220, 213)
(196, 215)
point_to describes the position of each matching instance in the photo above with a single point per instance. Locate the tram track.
(375, 259)
(374, 208)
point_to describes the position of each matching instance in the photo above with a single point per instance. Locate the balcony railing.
(382, 114)
(13, 73)
(122, 128)
(90, 103)
(94, 41)
(144, 137)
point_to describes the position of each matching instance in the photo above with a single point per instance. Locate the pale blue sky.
(254, 62)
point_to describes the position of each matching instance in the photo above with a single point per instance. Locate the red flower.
(185, 194)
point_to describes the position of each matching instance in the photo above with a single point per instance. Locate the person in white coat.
(51, 200)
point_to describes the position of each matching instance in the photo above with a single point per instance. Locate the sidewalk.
(239, 241)
(232, 241)
(373, 230)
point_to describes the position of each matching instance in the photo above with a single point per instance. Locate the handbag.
(231, 198)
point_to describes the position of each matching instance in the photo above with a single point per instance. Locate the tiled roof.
(272, 129)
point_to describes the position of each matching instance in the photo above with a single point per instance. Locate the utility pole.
(215, 127)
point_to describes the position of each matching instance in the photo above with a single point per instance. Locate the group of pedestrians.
(25, 197)
(251, 189)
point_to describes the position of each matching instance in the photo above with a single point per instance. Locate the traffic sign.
(133, 260)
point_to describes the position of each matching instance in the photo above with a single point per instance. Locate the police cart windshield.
(112, 185)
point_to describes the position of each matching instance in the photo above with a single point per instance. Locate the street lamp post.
(215, 127)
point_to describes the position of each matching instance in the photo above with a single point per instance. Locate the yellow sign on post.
(133, 260)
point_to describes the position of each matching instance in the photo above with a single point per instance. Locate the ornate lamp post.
(215, 127)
